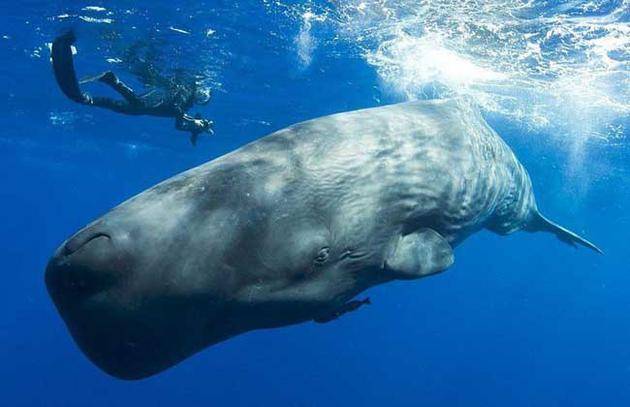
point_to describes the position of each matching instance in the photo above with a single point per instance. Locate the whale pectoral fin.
(419, 254)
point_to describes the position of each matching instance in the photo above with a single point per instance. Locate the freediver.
(173, 101)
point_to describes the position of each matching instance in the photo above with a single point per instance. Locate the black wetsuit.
(173, 101)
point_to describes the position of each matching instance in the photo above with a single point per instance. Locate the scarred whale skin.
(287, 229)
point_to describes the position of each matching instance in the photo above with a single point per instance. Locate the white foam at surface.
(562, 69)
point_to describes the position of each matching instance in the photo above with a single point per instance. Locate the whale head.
(195, 260)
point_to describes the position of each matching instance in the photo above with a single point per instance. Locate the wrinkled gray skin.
(286, 229)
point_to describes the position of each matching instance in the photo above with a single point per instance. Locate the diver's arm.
(195, 125)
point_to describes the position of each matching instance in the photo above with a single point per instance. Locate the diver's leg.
(180, 122)
(118, 106)
(119, 86)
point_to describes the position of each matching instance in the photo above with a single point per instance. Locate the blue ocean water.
(522, 320)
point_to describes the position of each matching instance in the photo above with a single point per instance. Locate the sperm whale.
(287, 229)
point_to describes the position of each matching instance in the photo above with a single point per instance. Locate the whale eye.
(322, 256)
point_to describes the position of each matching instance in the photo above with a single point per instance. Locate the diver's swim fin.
(63, 67)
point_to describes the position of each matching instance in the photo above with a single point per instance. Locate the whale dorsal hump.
(419, 254)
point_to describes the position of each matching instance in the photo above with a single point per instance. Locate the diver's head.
(202, 95)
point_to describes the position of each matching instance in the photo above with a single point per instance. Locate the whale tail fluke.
(540, 223)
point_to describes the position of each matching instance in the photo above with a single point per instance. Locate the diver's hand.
(195, 125)
(209, 128)
(204, 125)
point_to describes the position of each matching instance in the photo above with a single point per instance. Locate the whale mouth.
(133, 339)
(126, 329)
(110, 329)
(120, 342)
(85, 279)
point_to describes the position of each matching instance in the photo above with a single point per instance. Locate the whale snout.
(85, 278)
(129, 323)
